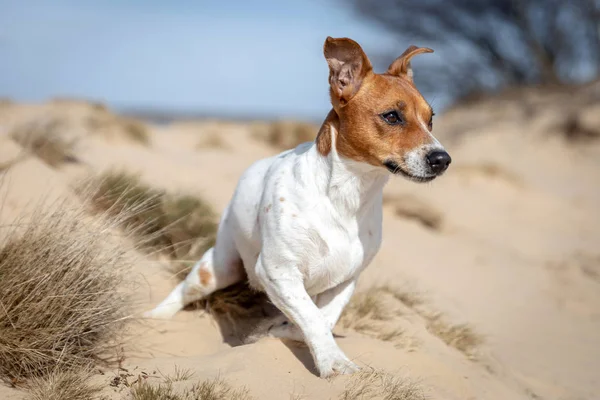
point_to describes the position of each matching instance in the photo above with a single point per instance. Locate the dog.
(303, 225)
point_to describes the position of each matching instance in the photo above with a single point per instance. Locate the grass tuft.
(179, 375)
(61, 303)
(135, 130)
(236, 302)
(285, 135)
(212, 140)
(367, 385)
(101, 121)
(61, 386)
(374, 312)
(210, 389)
(44, 139)
(462, 337)
(182, 226)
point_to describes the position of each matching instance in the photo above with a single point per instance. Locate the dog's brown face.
(383, 119)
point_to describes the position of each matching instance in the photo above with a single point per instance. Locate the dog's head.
(383, 119)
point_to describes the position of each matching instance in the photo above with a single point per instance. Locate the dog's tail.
(169, 306)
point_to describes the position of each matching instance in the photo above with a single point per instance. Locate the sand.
(507, 243)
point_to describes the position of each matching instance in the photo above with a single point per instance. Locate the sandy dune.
(505, 245)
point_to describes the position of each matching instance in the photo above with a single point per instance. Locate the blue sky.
(228, 57)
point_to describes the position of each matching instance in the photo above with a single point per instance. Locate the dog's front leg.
(331, 303)
(285, 289)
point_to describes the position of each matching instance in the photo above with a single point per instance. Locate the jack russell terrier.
(304, 224)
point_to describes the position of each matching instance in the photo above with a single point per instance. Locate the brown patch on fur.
(359, 97)
(282, 199)
(348, 65)
(204, 274)
(364, 136)
(401, 66)
(323, 139)
(294, 215)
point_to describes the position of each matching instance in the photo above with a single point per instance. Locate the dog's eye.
(430, 125)
(392, 117)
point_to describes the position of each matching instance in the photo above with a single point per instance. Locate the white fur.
(415, 162)
(305, 226)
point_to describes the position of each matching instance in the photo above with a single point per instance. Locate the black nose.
(438, 161)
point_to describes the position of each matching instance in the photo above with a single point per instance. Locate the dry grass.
(210, 389)
(235, 302)
(212, 140)
(182, 226)
(101, 121)
(179, 375)
(285, 135)
(413, 208)
(44, 138)
(135, 130)
(462, 337)
(241, 312)
(371, 385)
(62, 303)
(374, 312)
(61, 386)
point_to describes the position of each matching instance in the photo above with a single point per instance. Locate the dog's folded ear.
(401, 66)
(348, 66)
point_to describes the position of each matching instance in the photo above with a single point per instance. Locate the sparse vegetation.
(212, 140)
(100, 120)
(236, 302)
(462, 337)
(61, 297)
(44, 138)
(179, 375)
(285, 135)
(183, 226)
(241, 311)
(370, 384)
(134, 129)
(374, 311)
(61, 386)
(210, 389)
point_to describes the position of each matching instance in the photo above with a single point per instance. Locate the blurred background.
(264, 58)
(168, 102)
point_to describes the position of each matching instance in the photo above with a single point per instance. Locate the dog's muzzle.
(438, 161)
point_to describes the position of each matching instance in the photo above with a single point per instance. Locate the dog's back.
(242, 215)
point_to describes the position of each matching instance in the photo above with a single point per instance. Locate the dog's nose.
(438, 161)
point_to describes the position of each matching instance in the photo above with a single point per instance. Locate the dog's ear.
(401, 65)
(348, 66)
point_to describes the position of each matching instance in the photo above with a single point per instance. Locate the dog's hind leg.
(219, 267)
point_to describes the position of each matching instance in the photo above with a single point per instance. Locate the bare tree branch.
(502, 42)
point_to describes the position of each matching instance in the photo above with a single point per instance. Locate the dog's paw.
(336, 364)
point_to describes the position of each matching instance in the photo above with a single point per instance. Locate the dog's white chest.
(341, 251)
(305, 214)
